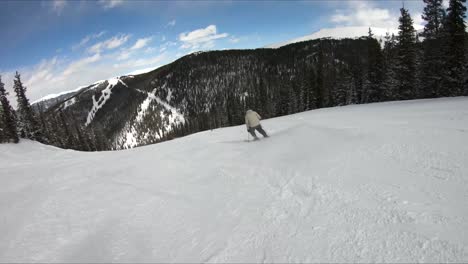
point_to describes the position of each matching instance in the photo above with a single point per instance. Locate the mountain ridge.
(206, 90)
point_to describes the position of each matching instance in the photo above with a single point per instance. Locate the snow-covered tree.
(9, 132)
(455, 30)
(406, 70)
(370, 34)
(434, 15)
(432, 61)
(389, 84)
(372, 84)
(28, 125)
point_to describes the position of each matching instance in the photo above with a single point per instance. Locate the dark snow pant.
(259, 129)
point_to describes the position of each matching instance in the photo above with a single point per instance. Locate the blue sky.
(61, 45)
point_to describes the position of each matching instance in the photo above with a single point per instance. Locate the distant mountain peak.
(339, 33)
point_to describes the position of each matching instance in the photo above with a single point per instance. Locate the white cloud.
(43, 72)
(418, 22)
(200, 38)
(171, 23)
(166, 45)
(366, 13)
(58, 6)
(141, 43)
(107, 59)
(141, 62)
(234, 39)
(81, 64)
(108, 4)
(125, 54)
(86, 39)
(111, 43)
(117, 41)
(360, 13)
(57, 75)
(100, 34)
(150, 50)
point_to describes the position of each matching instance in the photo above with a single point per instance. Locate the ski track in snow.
(105, 95)
(381, 182)
(129, 132)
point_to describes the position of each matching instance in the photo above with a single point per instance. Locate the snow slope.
(339, 33)
(381, 182)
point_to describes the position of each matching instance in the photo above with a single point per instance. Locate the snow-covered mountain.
(339, 33)
(208, 90)
(384, 182)
(334, 33)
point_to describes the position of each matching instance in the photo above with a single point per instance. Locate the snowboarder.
(252, 121)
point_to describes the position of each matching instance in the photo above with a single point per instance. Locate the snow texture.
(69, 103)
(105, 95)
(383, 182)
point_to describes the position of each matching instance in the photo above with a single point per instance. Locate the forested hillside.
(207, 90)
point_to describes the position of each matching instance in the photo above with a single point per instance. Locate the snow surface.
(69, 103)
(381, 182)
(340, 33)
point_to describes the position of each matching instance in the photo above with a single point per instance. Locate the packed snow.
(340, 33)
(383, 182)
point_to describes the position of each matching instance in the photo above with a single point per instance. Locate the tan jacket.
(252, 119)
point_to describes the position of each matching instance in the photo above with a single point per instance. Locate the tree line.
(58, 129)
(213, 89)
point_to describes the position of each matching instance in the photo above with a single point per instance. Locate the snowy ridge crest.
(339, 33)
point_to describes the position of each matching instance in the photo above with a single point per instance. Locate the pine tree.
(8, 117)
(2, 127)
(44, 127)
(28, 125)
(372, 84)
(432, 61)
(68, 139)
(434, 15)
(455, 48)
(55, 135)
(370, 34)
(406, 70)
(100, 141)
(389, 84)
